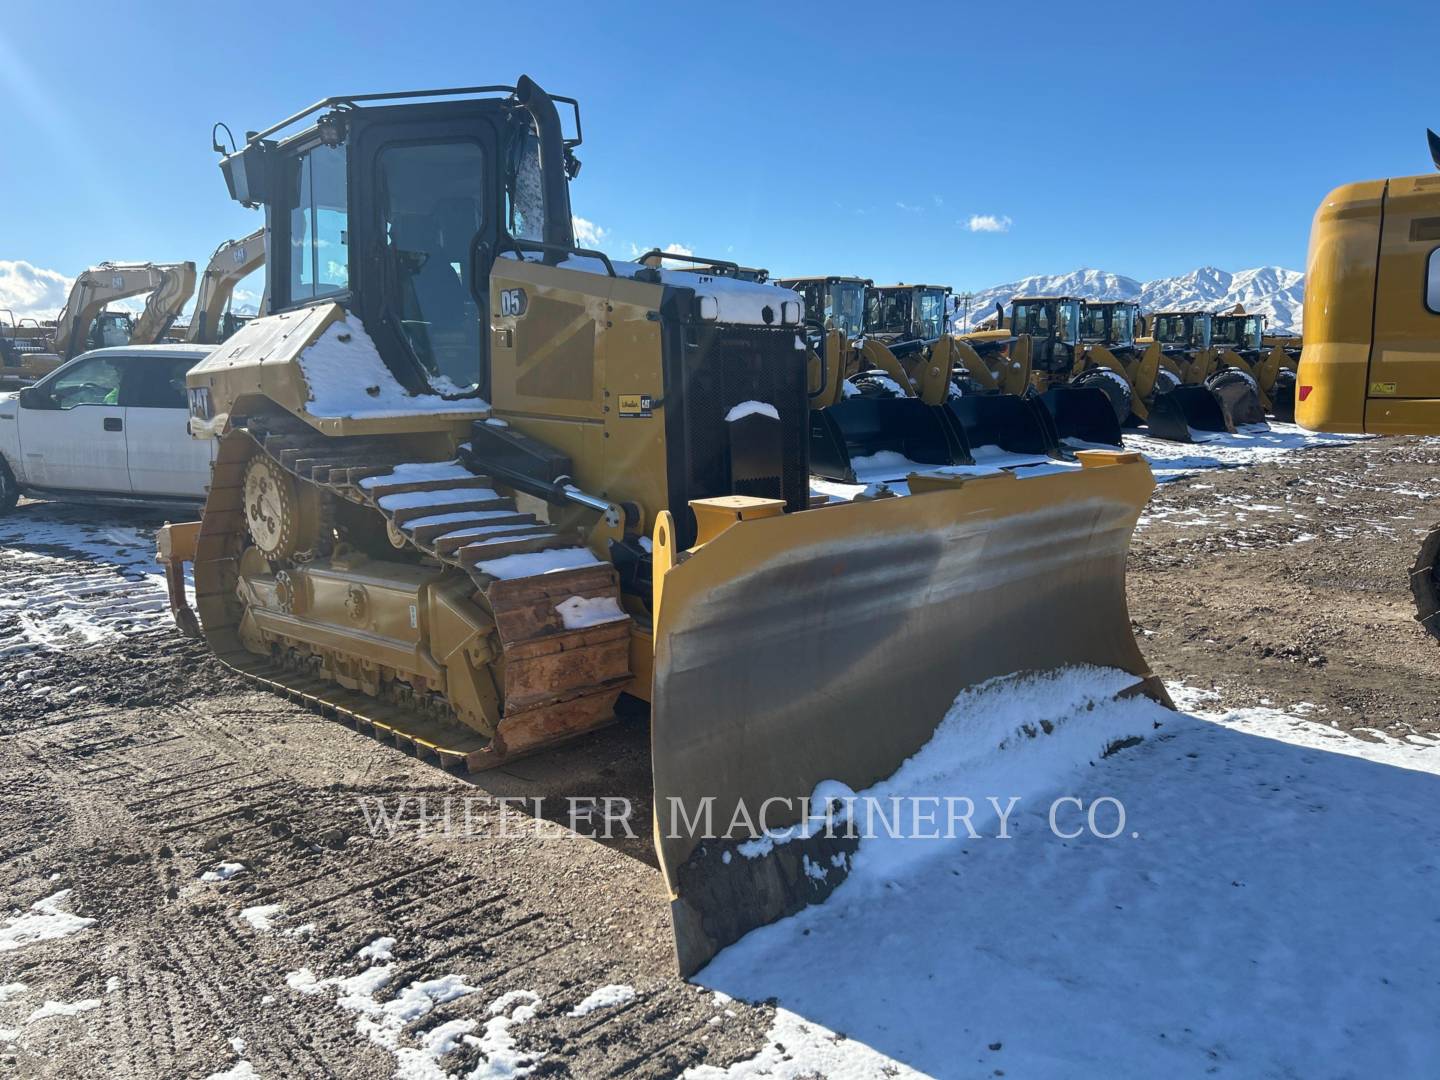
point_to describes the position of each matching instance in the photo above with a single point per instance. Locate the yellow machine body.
(1371, 356)
(385, 561)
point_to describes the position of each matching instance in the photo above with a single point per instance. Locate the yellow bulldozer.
(1371, 358)
(473, 483)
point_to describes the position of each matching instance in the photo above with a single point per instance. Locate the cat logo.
(512, 302)
(1382, 388)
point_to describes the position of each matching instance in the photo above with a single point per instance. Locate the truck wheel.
(9, 489)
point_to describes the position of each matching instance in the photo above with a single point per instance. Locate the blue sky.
(842, 138)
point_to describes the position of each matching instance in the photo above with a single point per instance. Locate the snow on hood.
(348, 379)
(736, 301)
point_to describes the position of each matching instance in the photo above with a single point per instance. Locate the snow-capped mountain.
(1268, 290)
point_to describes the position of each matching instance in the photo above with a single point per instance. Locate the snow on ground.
(1221, 450)
(48, 604)
(419, 1054)
(1168, 460)
(606, 997)
(45, 921)
(1267, 905)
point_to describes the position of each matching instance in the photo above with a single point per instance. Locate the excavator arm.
(232, 261)
(111, 281)
(177, 285)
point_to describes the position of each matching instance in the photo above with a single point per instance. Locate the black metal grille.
(720, 367)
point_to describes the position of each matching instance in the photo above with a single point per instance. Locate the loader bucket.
(1238, 397)
(827, 645)
(859, 427)
(1084, 413)
(1182, 410)
(1014, 424)
(1282, 395)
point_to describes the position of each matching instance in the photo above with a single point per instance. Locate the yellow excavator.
(1371, 358)
(84, 323)
(234, 260)
(473, 483)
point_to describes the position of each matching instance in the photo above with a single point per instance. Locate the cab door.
(72, 429)
(1407, 328)
(425, 226)
(163, 458)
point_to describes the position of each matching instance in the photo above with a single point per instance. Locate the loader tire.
(9, 488)
(1425, 586)
(1114, 386)
(876, 384)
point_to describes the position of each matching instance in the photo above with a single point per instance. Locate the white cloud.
(908, 208)
(987, 223)
(678, 249)
(587, 233)
(30, 291)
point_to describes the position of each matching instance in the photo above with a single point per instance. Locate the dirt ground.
(130, 770)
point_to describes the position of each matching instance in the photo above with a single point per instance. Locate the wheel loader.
(1371, 359)
(473, 483)
(1240, 341)
(896, 399)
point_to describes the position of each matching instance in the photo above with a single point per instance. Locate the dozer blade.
(1183, 409)
(860, 427)
(1015, 424)
(1083, 412)
(827, 645)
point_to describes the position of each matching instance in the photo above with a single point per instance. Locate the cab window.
(1432, 283)
(319, 259)
(433, 207)
(90, 382)
(154, 384)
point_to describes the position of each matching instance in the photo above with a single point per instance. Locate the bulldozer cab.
(1239, 332)
(1185, 329)
(838, 302)
(399, 210)
(1108, 322)
(907, 311)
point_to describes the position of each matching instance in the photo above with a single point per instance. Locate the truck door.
(163, 458)
(72, 429)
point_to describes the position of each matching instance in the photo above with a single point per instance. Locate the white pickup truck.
(107, 427)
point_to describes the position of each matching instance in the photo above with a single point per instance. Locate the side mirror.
(29, 396)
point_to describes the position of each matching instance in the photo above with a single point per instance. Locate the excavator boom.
(233, 261)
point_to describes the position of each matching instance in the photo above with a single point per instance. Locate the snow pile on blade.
(1266, 905)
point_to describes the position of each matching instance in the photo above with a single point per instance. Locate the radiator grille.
(721, 367)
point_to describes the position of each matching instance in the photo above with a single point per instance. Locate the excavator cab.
(110, 328)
